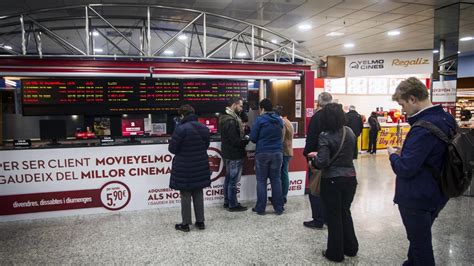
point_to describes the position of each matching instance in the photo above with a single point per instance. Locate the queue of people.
(331, 147)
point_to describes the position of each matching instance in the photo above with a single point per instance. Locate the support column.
(262, 90)
(446, 43)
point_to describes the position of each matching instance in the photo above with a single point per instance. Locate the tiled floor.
(149, 237)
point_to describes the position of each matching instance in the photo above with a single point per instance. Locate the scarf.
(237, 118)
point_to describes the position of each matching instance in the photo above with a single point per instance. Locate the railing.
(143, 32)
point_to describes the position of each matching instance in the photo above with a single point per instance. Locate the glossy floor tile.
(149, 237)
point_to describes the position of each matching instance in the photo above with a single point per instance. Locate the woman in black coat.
(190, 170)
(338, 182)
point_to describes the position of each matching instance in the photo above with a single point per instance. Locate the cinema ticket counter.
(388, 135)
(62, 181)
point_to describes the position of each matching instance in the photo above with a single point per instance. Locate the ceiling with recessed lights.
(323, 27)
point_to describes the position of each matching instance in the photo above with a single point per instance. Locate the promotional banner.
(387, 136)
(400, 63)
(444, 93)
(41, 183)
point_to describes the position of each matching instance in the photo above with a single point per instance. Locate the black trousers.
(337, 194)
(373, 141)
(198, 202)
(356, 148)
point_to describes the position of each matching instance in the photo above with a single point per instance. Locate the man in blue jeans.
(267, 133)
(417, 192)
(233, 141)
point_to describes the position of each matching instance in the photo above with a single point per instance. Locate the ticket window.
(289, 94)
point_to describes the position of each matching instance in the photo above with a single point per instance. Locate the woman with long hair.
(338, 182)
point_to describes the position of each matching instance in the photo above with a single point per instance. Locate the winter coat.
(189, 143)
(374, 124)
(329, 143)
(233, 144)
(314, 129)
(267, 133)
(354, 121)
(287, 138)
(416, 187)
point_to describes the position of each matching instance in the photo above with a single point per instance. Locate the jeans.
(232, 177)
(198, 201)
(268, 165)
(373, 141)
(285, 178)
(337, 194)
(418, 227)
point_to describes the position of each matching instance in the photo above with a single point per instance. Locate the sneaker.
(200, 225)
(182, 227)
(238, 208)
(259, 213)
(313, 224)
(226, 205)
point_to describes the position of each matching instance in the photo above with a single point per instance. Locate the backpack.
(458, 165)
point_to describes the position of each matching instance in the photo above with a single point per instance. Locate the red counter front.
(41, 183)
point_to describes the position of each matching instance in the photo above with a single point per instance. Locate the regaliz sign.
(417, 62)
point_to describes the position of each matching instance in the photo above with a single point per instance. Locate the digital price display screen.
(209, 122)
(133, 127)
(118, 96)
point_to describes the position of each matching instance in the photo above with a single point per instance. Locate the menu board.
(118, 96)
(378, 85)
(357, 86)
(335, 86)
(394, 82)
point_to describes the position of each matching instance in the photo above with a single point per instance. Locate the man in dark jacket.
(233, 141)
(373, 132)
(190, 169)
(267, 133)
(417, 193)
(314, 129)
(354, 121)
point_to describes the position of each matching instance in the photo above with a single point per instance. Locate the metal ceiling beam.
(148, 31)
(115, 29)
(250, 39)
(110, 41)
(39, 46)
(56, 37)
(271, 52)
(23, 36)
(168, 43)
(217, 49)
(87, 31)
